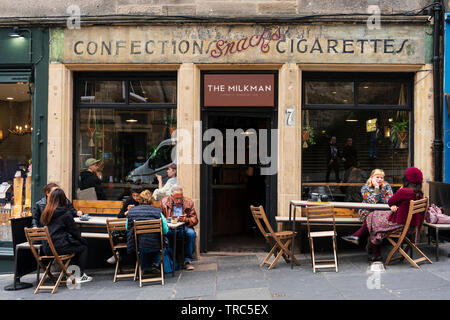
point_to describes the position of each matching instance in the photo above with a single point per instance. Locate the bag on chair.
(436, 216)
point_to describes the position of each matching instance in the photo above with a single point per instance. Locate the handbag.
(87, 194)
(436, 216)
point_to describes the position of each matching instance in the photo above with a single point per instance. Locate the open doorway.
(230, 188)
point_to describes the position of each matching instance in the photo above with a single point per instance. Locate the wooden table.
(100, 221)
(349, 205)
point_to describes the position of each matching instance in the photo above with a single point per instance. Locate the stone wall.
(204, 8)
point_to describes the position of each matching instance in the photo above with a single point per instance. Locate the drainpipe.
(438, 146)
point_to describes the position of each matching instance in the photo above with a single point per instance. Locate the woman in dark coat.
(65, 235)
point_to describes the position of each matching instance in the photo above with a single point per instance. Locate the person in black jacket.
(91, 178)
(130, 201)
(39, 206)
(127, 205)
(65, 234)
(332, 156)
(149, 244)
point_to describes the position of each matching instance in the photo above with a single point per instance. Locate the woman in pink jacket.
(381, 224)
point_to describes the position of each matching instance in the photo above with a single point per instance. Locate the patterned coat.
(370, 196)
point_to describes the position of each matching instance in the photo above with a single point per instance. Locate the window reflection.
(102, 91)
(382, 93)
(365, 140)
(133, 146)
(321, 92)
(152, 91)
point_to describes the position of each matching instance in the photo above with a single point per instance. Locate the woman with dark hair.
(381, 224)
(65, 235)
(41, 203)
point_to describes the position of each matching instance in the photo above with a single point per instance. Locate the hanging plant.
(308, 136)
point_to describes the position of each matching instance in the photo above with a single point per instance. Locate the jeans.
(373, 148)
(145, 254)
(189, 242)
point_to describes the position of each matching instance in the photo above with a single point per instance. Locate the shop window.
(132, 140)
(102, 91)
(15, 153)
(321, 92)
(373, 132)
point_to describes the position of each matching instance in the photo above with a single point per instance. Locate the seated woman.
(64, 232)
(149, 244)
(165, 191)
(385, 222)
(376, 190)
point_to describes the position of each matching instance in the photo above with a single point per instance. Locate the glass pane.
(153, 91)
(320, 92)
(16, 110)
(365, 140)
(102, 91)
(133, 147)
(385, 93)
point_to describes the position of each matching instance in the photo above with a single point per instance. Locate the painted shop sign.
(239, 90)
(353, 43)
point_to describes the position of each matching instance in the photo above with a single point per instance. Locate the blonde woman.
(376, 190)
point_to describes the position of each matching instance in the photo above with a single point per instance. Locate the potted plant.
(308, 136)
(399, 132)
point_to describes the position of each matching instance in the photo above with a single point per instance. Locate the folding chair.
(279, 241)
(45, 262)
(119, 225)
(415, 207)
(321, 213)
(144, 227)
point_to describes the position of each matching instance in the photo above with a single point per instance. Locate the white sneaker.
(111, 260)
(84, 278)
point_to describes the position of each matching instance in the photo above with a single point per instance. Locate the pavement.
(238, 276)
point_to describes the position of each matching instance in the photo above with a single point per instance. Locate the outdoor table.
(101, 222)
(348, 205)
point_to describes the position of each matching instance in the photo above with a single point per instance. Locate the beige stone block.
(180, 10)
(274, 8)
(139, 9)
(227, 8)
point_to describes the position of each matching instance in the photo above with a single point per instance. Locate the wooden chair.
(397, 239)
(279, 241)
(145, 227)
(45, 262)
(118, 225)
(318, 213)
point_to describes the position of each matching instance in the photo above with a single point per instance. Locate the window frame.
(78, 106)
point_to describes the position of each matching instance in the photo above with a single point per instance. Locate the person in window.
(349, 155)
(149, 244)
(91, 177)
(165, 191)
(176, 205)
(65, 234)
(332, 156)
(39, 206)
(354, 175)
(375, 138)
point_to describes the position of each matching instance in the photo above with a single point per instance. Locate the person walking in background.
(65, 234)
(41, 203)
(349, 155)
(165, 191)
(149, 244)
(374, 140)
(332, 156)
(176, 205)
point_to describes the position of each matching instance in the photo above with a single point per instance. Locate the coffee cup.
(174, 220)
(84, 217)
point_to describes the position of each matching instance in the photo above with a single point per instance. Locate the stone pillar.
(289, 137)
(424, 123)
(60, 135)
(188, 112)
